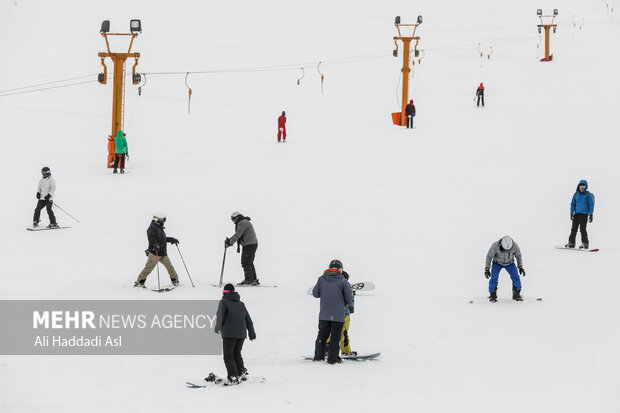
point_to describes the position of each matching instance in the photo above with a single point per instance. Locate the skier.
(45, 196)
(503, 254)
(345, 340)
(244, 236)
(157, 251)
(282, 126)
(581, 212)
(121, 151)
(334, 292)
(480, 94)
(233, 320)
(410, 112)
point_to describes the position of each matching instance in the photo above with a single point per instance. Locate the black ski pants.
(119, 158)
(480, 97)
(580, 221)
(409, 122)
(247, 262)
(325, 329)
(232, 356)
(43, 203)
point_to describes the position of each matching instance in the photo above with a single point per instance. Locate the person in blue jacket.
(581, 212)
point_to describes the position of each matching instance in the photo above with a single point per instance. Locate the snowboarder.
(503, 254)
(581, 212)
(157, 251)
(410, 113)
(121, 151)
(244, 236)
(282, 126)
(234, 324)
(335, 293)
(345, 340)
(45, 196)
(480, 95)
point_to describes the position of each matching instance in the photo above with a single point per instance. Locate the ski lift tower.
(118, 93)
(549, 19)
(401, 118)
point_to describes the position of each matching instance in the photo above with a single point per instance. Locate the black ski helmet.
(283, 113)
(46, 172)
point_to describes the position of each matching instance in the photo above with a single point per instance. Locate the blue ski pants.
(512, 270)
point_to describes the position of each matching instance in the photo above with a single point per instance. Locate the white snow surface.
(413, 211)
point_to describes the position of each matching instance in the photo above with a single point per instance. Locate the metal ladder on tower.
(123, 104)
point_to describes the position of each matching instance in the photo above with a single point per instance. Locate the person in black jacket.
(233, 320)
(157, 251)
(410, 113)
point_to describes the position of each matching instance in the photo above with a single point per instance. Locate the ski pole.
(55, 204)
(223, 262)
(157, 265)
(190, 277)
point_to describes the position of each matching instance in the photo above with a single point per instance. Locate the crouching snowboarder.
(234, 324)
(335, 293)
(503, 253)
(581, 212)
(157, 251)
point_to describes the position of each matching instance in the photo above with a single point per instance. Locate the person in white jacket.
(45, 195)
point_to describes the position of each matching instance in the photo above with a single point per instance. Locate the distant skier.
(410, 113)
(480, 94)
(282, 126)
(121, 151)
(503, 253)
(233, 321)
(581, 212)
(345, 339)
(157, 251)
(244, 236)
(334, 292)
(45, 196)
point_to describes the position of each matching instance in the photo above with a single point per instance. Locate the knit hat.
(229, 288)
(235, 214)
(335, 264)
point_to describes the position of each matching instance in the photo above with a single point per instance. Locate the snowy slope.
(413, 211)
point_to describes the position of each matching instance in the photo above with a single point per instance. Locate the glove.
(487, 273)
(252, 337)
(174, 241)
(351, 309)
(591, 218)
(522, 271)
(227, 242)
(47, 197)
(156, 247)
(572, 216)
(38, 195)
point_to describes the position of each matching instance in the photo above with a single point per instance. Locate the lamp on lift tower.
(135, 26)
(105, 26)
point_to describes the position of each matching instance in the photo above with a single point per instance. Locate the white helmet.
(160, 217)
(507, 242)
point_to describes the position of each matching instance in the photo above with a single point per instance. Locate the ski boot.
(175, 282)
(255, 282)
(244, 282)
(35, 224)
(139, 284)
(122, 171)
(570, 245)
(53, 225)
(115, 171)
(516, 294)
(232, 381)
(493, 296)
(244, 375)
(584, 246)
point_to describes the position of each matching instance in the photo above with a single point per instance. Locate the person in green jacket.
(121, 151)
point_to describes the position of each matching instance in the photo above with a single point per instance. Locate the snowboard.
(360, 286)
(219, 381)
(562, 247)
(43, 228)
(358, 357)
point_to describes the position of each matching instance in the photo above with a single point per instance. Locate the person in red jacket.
(410, 113)
(282, 127)
(480, 94)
